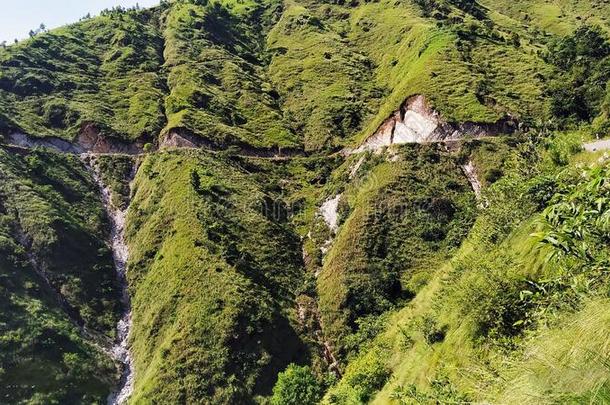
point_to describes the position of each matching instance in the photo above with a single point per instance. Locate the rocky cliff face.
(416, 122)
(89, 140)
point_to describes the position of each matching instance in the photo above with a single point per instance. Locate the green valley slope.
(424, 291)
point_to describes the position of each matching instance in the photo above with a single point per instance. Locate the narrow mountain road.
(27, 142)
(161, 151)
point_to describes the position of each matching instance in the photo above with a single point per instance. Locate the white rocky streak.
(414, 128)
(379, 140)
(471, 174)
(120, 252)
(354, 169)
(413, 123)
(329, 211)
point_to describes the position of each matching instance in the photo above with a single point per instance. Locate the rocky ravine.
(88, 147)
(120, 349)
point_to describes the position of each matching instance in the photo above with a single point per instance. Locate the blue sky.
(18, 17)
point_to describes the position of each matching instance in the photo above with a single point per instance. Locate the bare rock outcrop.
(89, 140)
(178, 138)
(416, 122)
(27, 141)
(470, 172)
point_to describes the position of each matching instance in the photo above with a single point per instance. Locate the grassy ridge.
(401, 218)
(218, 86)
(324, 80)
(558, 17)
(212, 304)
(104, 71)
(43, 356)
(502, 321)
(268, 74)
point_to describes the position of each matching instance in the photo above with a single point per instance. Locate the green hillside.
(268, 261)
(213, 316)
(57, 282)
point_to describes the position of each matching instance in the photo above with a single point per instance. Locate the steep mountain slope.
(59, 296)
(103, 74)
(402, 218)
(308, 75)
(284, 244)
(504, 320)
(213, 317)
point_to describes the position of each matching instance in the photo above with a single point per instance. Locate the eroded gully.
(120, 350)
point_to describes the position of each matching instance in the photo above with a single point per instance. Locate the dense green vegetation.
(580, 91)
(402, 218)
(218, 88)
(505, 298)
(56, 215)
(56, 277)
(266, 74)
(103, 71)
(296, 386)
(213, 314)
(240, 291)
(116, 173)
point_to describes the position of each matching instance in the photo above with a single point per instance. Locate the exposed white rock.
(375, 142)
(27, 141)
(604, 144)
(329, 211)
(120, 350)
(416, 122)
(471, 174)
(356, 167)
(414, 128)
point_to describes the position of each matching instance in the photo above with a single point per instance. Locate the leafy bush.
(362, 379)
(541, 190)
(578, 222)
(442, 391)
(297, 385)
(588, 42)
(497, 308)
(576, 228)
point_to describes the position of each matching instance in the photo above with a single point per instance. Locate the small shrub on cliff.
(296, 386)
